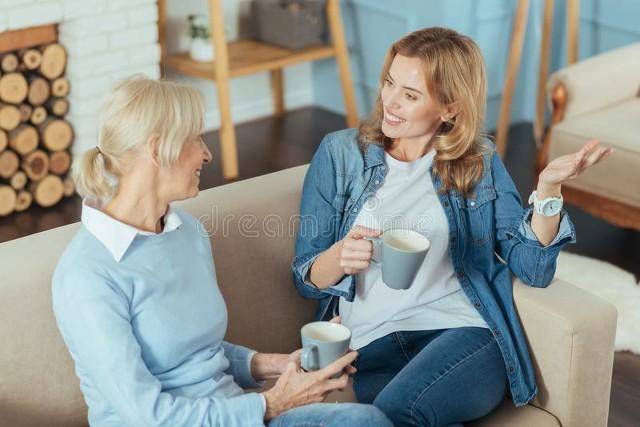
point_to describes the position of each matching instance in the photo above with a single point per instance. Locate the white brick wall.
(82, 46)
(86, 88)
(105, 40)
(77, 8)
(30, 14)
(137, 36)
(84, 26)
(127, 4)
(97, 64)
(143, 14)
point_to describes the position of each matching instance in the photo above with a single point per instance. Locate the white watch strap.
(539, 204)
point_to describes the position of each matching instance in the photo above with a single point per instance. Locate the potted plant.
(201, 48)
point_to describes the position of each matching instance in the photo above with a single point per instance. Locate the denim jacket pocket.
(478, 214)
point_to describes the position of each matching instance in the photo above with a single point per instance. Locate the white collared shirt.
(115, 235)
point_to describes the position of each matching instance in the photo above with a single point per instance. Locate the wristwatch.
(547, 207)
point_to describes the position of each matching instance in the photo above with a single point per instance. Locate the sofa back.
(251, 224)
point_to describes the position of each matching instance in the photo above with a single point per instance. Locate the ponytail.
(90, 174)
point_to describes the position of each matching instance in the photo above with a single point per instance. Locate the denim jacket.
(490, 236)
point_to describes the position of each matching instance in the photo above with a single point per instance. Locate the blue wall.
(373, 25)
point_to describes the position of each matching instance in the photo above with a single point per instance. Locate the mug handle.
(375, 241)
(309, 358)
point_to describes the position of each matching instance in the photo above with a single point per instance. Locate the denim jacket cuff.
(344, 288)
(566, 232)
(341, 289)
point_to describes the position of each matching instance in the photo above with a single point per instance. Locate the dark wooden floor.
(270, 144)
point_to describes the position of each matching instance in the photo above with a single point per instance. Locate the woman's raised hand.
(356, 252)
(296, 388)
(569, 166)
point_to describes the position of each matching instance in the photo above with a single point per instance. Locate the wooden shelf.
(248, 57)
(245, 57)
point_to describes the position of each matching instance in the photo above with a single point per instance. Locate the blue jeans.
(332, 415)
(432, 378)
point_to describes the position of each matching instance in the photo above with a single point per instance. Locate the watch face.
(552, 207)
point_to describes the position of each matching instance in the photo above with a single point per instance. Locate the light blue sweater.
(144, 321)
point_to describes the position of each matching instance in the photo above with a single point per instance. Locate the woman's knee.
(440, 404)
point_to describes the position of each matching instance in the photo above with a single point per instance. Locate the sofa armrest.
(599, 81)
(571, 335)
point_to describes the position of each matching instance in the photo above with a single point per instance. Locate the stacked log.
(34, 135)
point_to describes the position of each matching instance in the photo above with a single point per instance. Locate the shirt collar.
(373, 155)
(115, 235)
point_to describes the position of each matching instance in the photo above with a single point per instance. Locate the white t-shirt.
(435, 300)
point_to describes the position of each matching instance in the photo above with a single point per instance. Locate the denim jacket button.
(512, 369)
(377, 182)
(477, 304)
(460, 273)
(472, 203)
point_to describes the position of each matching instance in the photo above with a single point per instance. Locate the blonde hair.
(455, 76)
(138, 108)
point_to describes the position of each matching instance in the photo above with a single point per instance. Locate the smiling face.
(184, 175)
(433, 96)
(409, 110)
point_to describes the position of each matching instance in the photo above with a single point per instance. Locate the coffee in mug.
(323, 343)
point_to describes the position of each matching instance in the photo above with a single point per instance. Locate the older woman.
(135, 292)
(447, 349)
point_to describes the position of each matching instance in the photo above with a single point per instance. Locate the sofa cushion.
(617, 126)
(507, 415)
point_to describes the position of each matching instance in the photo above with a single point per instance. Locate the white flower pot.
(201, 50)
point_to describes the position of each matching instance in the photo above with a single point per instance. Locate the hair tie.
(99, 151)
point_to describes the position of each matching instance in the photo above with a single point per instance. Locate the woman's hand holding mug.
(296, 388)
(355, 251)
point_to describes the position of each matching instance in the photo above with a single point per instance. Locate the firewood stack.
(34, 135)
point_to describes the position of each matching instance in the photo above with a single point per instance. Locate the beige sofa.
(252, 225)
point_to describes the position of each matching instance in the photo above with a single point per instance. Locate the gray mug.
(323, 343)
(403, 251)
